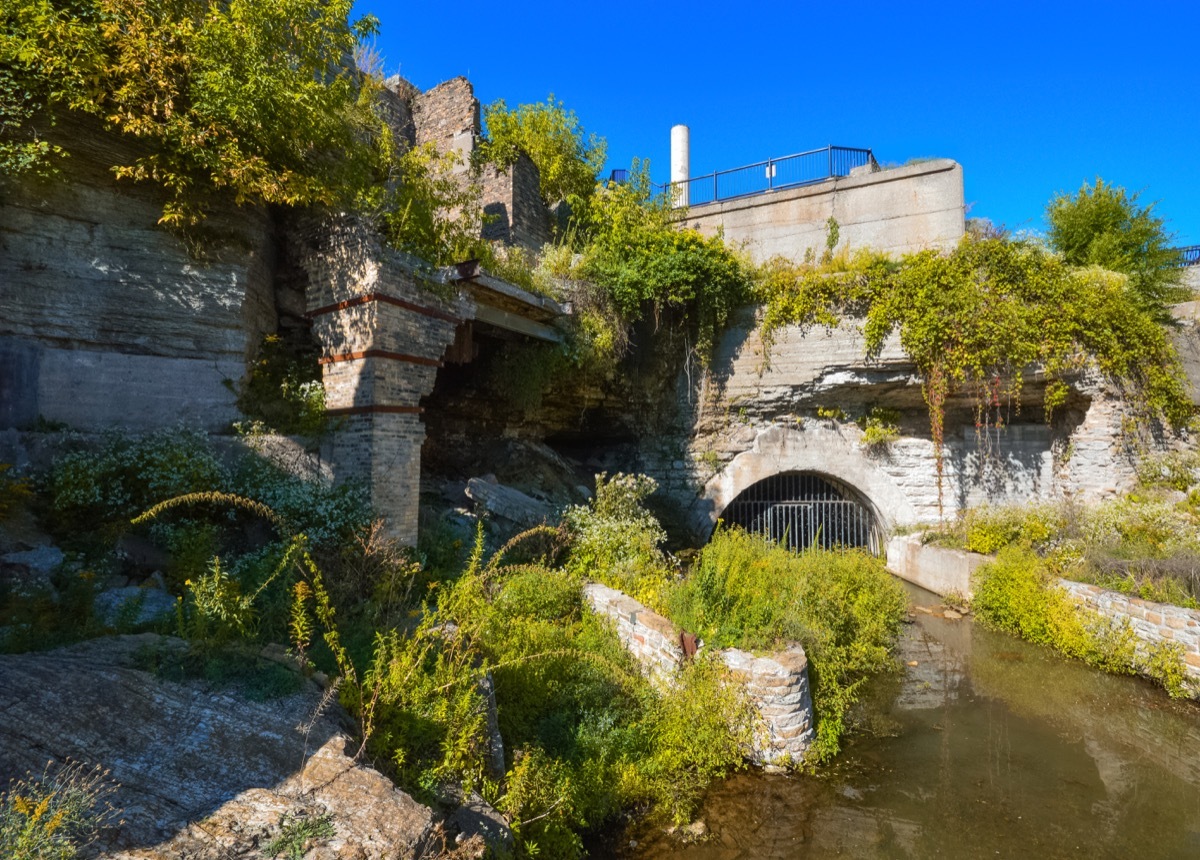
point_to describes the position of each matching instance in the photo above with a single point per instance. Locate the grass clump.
(841, 605)
(55, 815)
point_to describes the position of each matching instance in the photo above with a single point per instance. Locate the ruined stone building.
(107, 320)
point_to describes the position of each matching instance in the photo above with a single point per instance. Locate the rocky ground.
(206, 772)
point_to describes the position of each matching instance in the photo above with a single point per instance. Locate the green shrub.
(283, 391)
(13, 491)
(988, 529)
(841, 605)
(103, 488)
(615, 540)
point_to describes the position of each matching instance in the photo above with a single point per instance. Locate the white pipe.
(680, 163)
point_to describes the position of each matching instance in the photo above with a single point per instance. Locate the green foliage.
(988, 529)
(841, 605)
(977, 319)
(284, 391)
(236, 96)
(432, 212)
(55, 815)
(568, 160)
(298, 835)
(103, 488)
(1101, 225)
(879, 428)
(1016, 593)
(522, 373)
(701, 727)
(637, 253)
(615, 540)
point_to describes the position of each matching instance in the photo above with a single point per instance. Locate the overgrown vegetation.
(745, 592)
(841, 605)
(976, 320)
(56, 814)
(247, 98)
(1017, 593)
(1101, 225)
(1146, 544)
(567, 158)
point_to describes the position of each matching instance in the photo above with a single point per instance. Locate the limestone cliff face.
(106, 317)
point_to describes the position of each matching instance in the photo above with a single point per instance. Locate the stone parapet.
(776, 684)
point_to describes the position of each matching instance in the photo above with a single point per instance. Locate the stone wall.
(894, 211)
(776, 684)
(106, 318)
(513, 210)
(448, 116)
(1153, 623)
(943, 570)
(755, 414)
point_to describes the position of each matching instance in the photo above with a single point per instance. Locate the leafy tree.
(641, 258)
(257, 99)
(568, 159)
(1102, 225)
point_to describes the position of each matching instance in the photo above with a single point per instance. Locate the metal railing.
(774, 174)
(1189, 256)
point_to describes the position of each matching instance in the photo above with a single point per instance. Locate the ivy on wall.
(978, 319)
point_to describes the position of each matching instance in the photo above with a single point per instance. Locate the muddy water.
(987, 747)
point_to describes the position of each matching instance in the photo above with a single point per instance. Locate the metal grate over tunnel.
(803, 509)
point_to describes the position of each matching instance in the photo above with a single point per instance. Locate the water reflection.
(986, 747)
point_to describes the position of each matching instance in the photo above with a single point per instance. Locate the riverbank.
(986, 747)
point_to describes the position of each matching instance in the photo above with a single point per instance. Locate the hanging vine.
(977, 320)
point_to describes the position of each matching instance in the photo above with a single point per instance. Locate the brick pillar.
(382, 334)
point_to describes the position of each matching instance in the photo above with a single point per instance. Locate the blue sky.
(1031, 98)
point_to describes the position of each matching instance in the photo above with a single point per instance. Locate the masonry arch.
(828, 454)
(804, 509)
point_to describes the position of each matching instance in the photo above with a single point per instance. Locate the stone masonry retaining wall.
(777, 684)
(1153, 623)
(943, 570)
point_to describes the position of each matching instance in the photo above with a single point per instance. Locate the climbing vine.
(979, 319)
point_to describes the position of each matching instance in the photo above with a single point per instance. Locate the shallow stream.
(984, 747)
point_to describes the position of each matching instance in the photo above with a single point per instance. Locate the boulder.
(201, 772)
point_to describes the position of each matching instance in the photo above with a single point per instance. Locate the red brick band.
(381, 353)
(387, 300)
(376, 410)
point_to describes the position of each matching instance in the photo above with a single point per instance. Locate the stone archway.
(819, 450)
(804, 509)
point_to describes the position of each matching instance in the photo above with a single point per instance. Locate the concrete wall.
(106, 318)
(895, 211)
(775, 684)
(935, 568)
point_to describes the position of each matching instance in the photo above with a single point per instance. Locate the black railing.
(1189, 256)
(790, 171)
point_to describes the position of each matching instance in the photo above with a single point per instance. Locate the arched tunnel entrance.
(800, 509)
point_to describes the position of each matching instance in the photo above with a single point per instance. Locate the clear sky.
(1031, 98)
